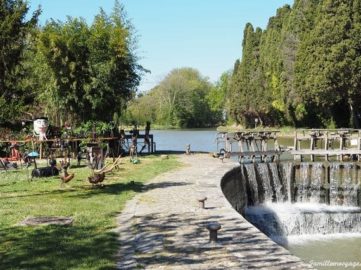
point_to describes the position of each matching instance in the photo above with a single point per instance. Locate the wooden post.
(327, 183)
(41, 150)
(326, 145)
(152, 145)
(358, 144)
(341, 146)
(295, 144)
(312, 146)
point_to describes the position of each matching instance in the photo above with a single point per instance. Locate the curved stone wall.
(234, 189)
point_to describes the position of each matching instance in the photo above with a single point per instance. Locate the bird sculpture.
(66, 177)
(97, 179)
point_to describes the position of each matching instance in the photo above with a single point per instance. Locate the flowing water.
(308, 227)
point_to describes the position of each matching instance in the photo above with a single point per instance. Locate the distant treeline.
(304, 69)
(184, 98)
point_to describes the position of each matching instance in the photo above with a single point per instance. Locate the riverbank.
(164, 227)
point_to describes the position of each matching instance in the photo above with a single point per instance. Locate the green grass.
(89, 243)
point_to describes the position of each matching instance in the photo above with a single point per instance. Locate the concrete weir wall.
(258, 244)
(234, 189)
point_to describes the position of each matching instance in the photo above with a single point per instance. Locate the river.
(201, 140)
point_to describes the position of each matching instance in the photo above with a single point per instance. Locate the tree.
(304, 69)
(324, 68)
(64, 48)
(180, 100)
(217, 97)
(252, 101)
(94, 69)
(15, 33)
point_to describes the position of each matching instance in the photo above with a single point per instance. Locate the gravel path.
(164, 228)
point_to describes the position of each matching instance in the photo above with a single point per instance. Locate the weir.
(329, 183)
(296, 198)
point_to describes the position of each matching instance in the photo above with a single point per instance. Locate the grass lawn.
(89, 243)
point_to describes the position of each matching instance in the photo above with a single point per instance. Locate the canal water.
(332, 252)
(201, 140)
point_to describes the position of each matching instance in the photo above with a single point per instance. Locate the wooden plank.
(322, 152)
(258, 153)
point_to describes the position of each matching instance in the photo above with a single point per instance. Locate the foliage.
(15, 34)
(180, 100)
(303, 69)
(94, 69)
(68, 71)
(90, 243)
(217, 97)
(86, 128)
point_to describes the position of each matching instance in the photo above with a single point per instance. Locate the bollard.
(202, 202)
(188, 149)
(213, 230)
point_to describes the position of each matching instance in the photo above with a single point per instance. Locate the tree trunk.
(354, 122)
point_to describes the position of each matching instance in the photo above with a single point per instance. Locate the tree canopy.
(303, 69)
(15, 32)
(72, 70)
(182, 99)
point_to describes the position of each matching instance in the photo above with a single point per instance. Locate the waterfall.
(287, 179)
(303, 183)
(316, 183)
(349, 188)
(252, 183)
(335, 179)
(306, 191)
(276, 182)
(265, 180)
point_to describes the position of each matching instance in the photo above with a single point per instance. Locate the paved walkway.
(164, 228)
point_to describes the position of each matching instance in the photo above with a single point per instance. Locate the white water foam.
(283, 220)
(300, 240)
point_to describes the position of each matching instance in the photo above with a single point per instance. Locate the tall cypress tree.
(324, 73)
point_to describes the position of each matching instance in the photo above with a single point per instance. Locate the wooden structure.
(67, 147)
(339, 143)
(151, 146)
(262, 145)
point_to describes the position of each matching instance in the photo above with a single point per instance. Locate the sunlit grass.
(89, 243)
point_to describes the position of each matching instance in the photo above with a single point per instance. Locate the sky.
(202, 34)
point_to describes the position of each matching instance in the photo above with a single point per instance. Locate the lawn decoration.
(98, 176)
(48, 171)
(66, 177)
(32, 156)
(40, 128)
(133, 154)
(15, 155)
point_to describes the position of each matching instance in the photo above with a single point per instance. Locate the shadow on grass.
(56, 247)
(43, 193)
(118, 188)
